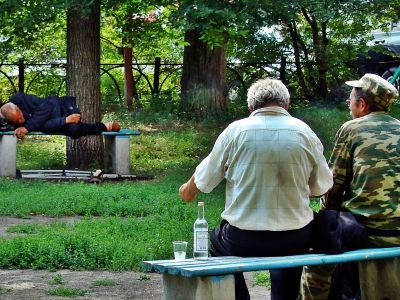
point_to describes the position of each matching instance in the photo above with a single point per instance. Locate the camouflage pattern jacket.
(366, 166)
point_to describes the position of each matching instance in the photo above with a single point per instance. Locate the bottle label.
(201, 240)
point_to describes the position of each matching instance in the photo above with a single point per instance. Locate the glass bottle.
(200, 229)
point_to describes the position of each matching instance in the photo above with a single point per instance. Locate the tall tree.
(203, 82)
(208, 25)
(83, 79)
(322, 34)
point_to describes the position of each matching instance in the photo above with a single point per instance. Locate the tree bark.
(299, 70)
(83, 82)
(203, 82)
(319, 46)
(129, 83)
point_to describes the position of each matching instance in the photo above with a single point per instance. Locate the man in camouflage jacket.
(366, 167)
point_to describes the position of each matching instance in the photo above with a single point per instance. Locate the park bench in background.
(212, 278)
(116, 150)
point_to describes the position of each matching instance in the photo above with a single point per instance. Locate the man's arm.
(341, 165)
(189, 190)
(209, 173)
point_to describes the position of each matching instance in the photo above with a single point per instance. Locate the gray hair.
(7, 110)
(267, 91)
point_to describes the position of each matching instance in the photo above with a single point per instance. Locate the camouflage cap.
(383, 91)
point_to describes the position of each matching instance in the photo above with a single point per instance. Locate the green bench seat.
(212, 278)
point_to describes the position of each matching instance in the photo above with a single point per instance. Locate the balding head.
(12, 113)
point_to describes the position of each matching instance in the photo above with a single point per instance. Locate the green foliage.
(57, 279)
(262, 278)
(119, 225)
(216, 20)
(67, 292)
(331, 119)
(47, 151)
(105, 282)
(26, 228)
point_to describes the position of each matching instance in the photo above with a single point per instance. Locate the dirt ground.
(30, 284)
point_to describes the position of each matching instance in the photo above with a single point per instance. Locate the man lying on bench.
(50, 115)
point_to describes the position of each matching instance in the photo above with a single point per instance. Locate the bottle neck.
(200, 212)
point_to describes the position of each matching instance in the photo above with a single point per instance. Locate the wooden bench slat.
(214, 266)
(164, 266)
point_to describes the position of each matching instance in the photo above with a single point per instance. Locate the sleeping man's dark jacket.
(48, 115)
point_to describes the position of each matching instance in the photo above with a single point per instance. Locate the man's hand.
(188, 190)
(20, 132)
(73, 119)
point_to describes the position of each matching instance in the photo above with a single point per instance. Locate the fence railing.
(153, 76)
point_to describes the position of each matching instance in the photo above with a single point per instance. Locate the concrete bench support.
(199, 288)
(8, 156)
(116, 151)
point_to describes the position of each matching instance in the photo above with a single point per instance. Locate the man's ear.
(364, 107)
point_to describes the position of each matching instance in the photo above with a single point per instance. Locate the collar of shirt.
(271, 110)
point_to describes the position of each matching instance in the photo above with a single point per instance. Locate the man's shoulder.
(22, 97)
(371, 120)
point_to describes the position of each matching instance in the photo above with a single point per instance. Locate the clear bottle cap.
(200, 204)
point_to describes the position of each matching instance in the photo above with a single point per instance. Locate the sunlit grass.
(121, 224)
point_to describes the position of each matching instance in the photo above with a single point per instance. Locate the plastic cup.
(179, 250)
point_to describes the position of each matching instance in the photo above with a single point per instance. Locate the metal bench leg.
(199, 288)
(117, 154)
(8, 156)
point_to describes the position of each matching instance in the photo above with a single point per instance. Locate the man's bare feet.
(113, 126)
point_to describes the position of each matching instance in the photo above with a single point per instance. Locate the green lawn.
(127, 222)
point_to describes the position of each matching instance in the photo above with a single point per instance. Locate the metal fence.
(153, 77)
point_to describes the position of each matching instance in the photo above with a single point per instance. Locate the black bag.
(5, 125)
(336, 232)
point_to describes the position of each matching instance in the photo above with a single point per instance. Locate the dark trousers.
(228, 240)
(78, 130)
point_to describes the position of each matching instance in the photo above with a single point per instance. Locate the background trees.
(223, 46)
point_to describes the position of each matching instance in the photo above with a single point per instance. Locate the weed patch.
(67, 292)
(57, 279)
(262, 278)
(26, 228)
(105, 282)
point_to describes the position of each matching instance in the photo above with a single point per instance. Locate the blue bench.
(116, 149)
(212, 278)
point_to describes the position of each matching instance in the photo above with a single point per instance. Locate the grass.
(25, 228)
(105, 282)
(262, 278)
(63, 291)
(57, 279)
(123, 224)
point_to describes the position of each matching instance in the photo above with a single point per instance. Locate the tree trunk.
(320, 48)
(203, 82)
(130, 84)
(83, 82)
(299, 70)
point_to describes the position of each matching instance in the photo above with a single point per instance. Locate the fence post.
(282, 69)
(156, 82)
(21, 75)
